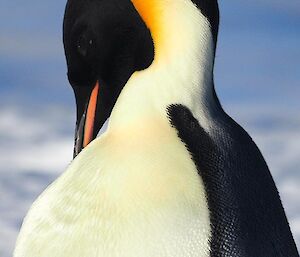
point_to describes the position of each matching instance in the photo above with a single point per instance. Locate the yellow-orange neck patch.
(151, 13)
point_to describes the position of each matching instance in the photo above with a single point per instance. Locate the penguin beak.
(88, 124)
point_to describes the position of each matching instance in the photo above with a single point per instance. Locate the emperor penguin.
(173, 175)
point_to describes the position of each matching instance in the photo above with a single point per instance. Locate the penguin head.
(106, 41)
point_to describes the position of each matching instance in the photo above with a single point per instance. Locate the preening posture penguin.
(173, 175)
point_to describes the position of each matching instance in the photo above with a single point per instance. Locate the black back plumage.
(246, 213)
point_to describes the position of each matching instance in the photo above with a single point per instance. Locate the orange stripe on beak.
(90, 116)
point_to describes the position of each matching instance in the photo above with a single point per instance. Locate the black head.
(105, 42)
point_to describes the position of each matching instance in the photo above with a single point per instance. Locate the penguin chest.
(135, 203)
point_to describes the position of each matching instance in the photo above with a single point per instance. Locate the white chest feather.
(122, 198)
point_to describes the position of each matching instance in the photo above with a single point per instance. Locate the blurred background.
(257, 79)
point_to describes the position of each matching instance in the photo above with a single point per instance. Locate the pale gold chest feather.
(123, 196)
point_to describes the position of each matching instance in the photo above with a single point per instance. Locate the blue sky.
(257, 79)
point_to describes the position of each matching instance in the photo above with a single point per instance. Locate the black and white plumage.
(173, 175)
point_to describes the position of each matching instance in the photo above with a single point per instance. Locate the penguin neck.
(181, 73)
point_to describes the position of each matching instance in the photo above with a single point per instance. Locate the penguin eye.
(84, 43)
